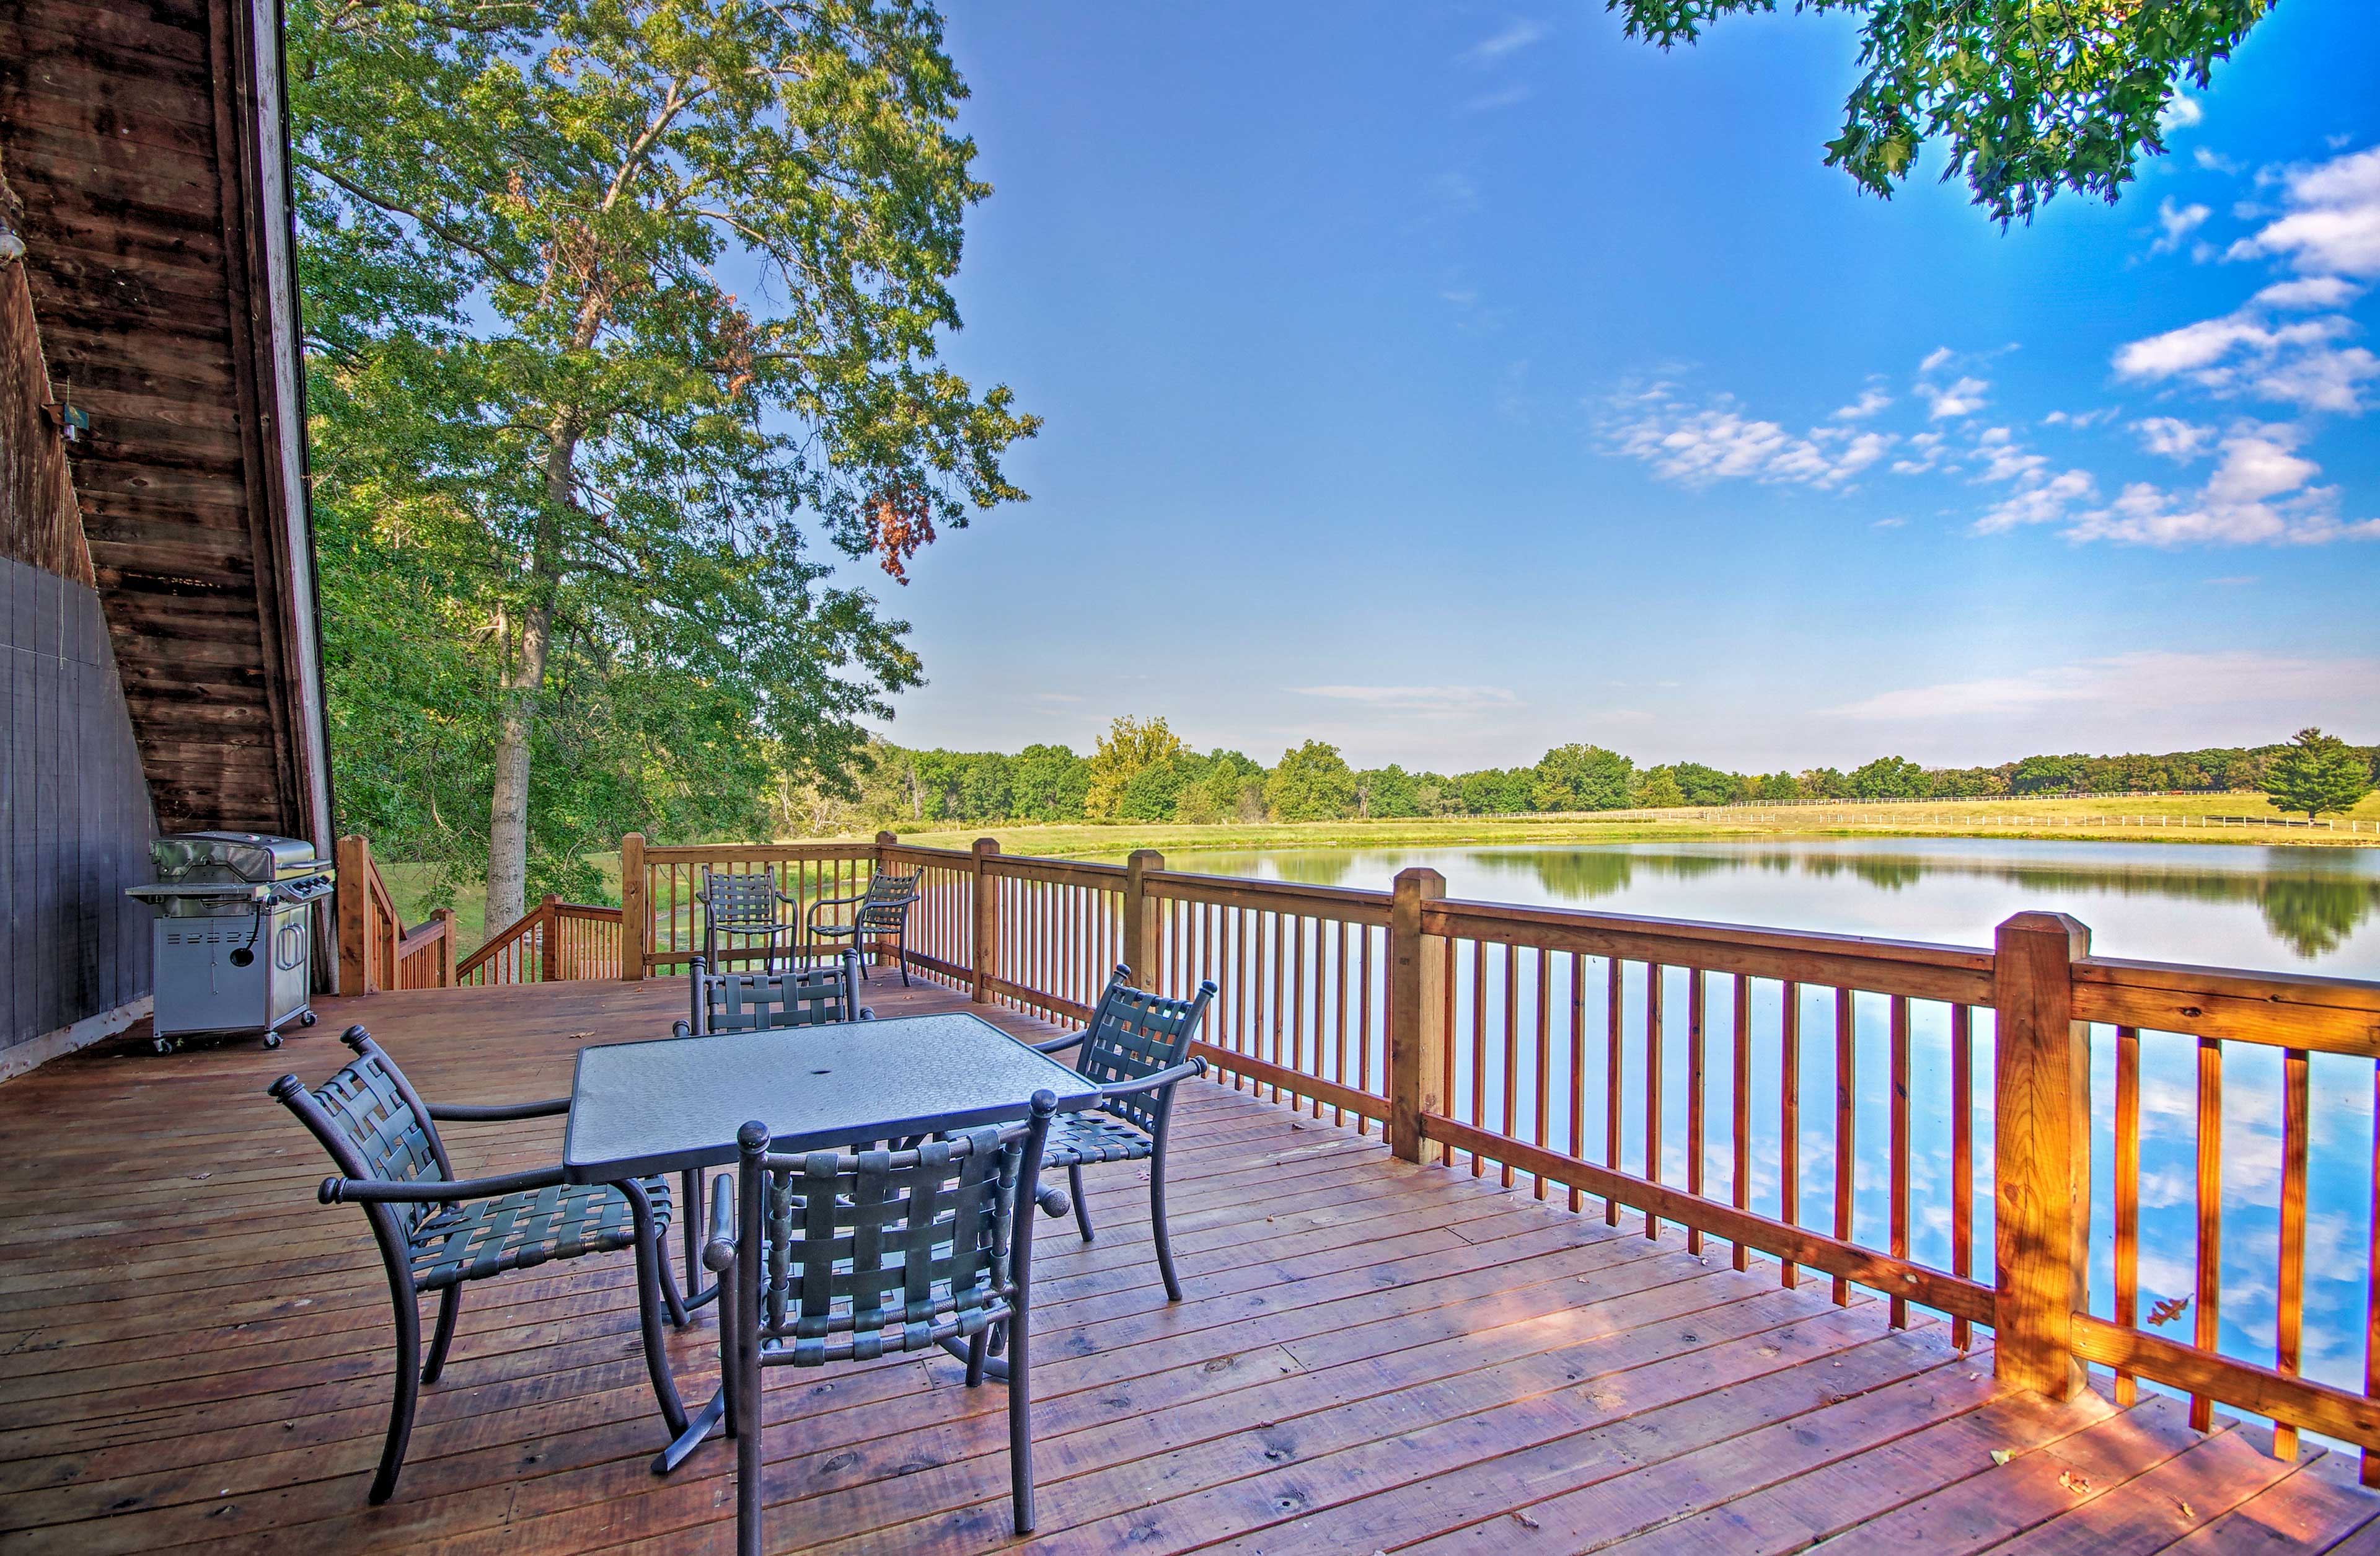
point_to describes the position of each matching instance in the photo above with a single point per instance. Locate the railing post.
(352, 904)
(1416, 1015)
(549, 953)
(1140, 917)
(2042, 1168)
(985, 952)
(636, 917)
(445, 916)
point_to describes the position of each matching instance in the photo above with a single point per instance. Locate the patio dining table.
(675, 1104)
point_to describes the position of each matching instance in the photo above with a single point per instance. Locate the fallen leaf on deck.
(2074, 1483)
(2189, 1511)
(1527, 1522)
(2002, 1455)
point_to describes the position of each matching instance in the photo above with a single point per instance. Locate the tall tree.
(1129, 746)
(605, 295)
(1311, 783)
(1582, 778)
(2030, 96)
(2317, 772)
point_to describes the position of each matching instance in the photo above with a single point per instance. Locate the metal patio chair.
(1134, 1048)
(436, 1231)
(830, 1257)
(744, 906)
(825, 990)
(821, 993)
(881, 909)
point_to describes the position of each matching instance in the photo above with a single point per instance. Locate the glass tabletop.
(674, 1104)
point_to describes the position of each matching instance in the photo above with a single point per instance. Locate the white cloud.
(2173, 438)
(2182, 113)
(2040, 498)
(1964, 397)
(2147, 679)
(1510, 97)
(2213, 162)
(1510, 40)
(2298, 363)
(1716, 441)
(1417, 698)
(2312, 291)
(2176, 222)
(1055, 697)
(1870, 401)
(2333, 223)
(2261, 493)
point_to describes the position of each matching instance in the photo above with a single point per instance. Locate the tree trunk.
(524, 685)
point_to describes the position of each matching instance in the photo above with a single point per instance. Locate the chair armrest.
(1059, 1045)
(1052, 1200)
(811, 917)
(368, 1191)
(866, 1013)
(478, 1112)
(1164, 1077)
(718, 1253)
(681, 1028)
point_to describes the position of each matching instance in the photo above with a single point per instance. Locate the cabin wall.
(74, 817)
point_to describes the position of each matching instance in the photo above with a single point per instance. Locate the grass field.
(2177, 818)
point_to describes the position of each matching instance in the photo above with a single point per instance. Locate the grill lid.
(196, 858)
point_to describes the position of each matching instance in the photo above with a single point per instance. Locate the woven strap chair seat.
(489, 1236)
(1076, 1138)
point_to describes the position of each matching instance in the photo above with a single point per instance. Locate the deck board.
(1372, 1356)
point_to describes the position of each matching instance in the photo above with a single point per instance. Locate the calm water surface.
(2284, 909)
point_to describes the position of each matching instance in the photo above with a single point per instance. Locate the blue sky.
(1453, 381)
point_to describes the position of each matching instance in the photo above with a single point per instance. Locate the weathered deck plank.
(1372, 1355)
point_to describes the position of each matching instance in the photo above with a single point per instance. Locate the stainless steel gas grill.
(235, 940)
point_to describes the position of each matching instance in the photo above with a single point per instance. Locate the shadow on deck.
(1373, 1356)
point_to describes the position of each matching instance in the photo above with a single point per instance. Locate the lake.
(2275, 908)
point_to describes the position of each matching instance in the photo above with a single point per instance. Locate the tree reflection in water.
(2310, 901)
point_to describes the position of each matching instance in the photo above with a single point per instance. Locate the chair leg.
(1081, 1205)
(904, 951)
(409, 1393)
(450, 1308)
(1020, 1419)
(1156, 1226)
(652, 1271)
(748, 1431)
(978, 1347)
(673, 1301)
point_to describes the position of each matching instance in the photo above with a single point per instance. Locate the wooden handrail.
(1395, 1007)
(376, 950)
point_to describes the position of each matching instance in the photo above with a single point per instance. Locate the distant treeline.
(1141, 771)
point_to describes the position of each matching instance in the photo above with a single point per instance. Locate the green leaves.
(2030, 97)
(616, 310)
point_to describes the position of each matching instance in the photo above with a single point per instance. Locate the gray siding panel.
(74, 817)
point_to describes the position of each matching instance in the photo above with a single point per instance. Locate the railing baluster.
(1364, 1025)
(1339, 1014)
(2127, 1208)
(1789, 1122)
(1899, 1231)
(2210, 1213)
(1479, 1043)
(1545, 1056)
(1513, 1048)
(1846, 1153)
(2290, 1317)
(1742, 1119)
(2370, 1459)
(1613, 1077)
(1695, 1079)
(1652, 1086)
(1962, 1157)
(1577, 1088)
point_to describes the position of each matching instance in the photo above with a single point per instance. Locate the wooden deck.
(194, 1353)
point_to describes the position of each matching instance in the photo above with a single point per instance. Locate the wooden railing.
(553, 942)
(1717, 1079)
(376, 950)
